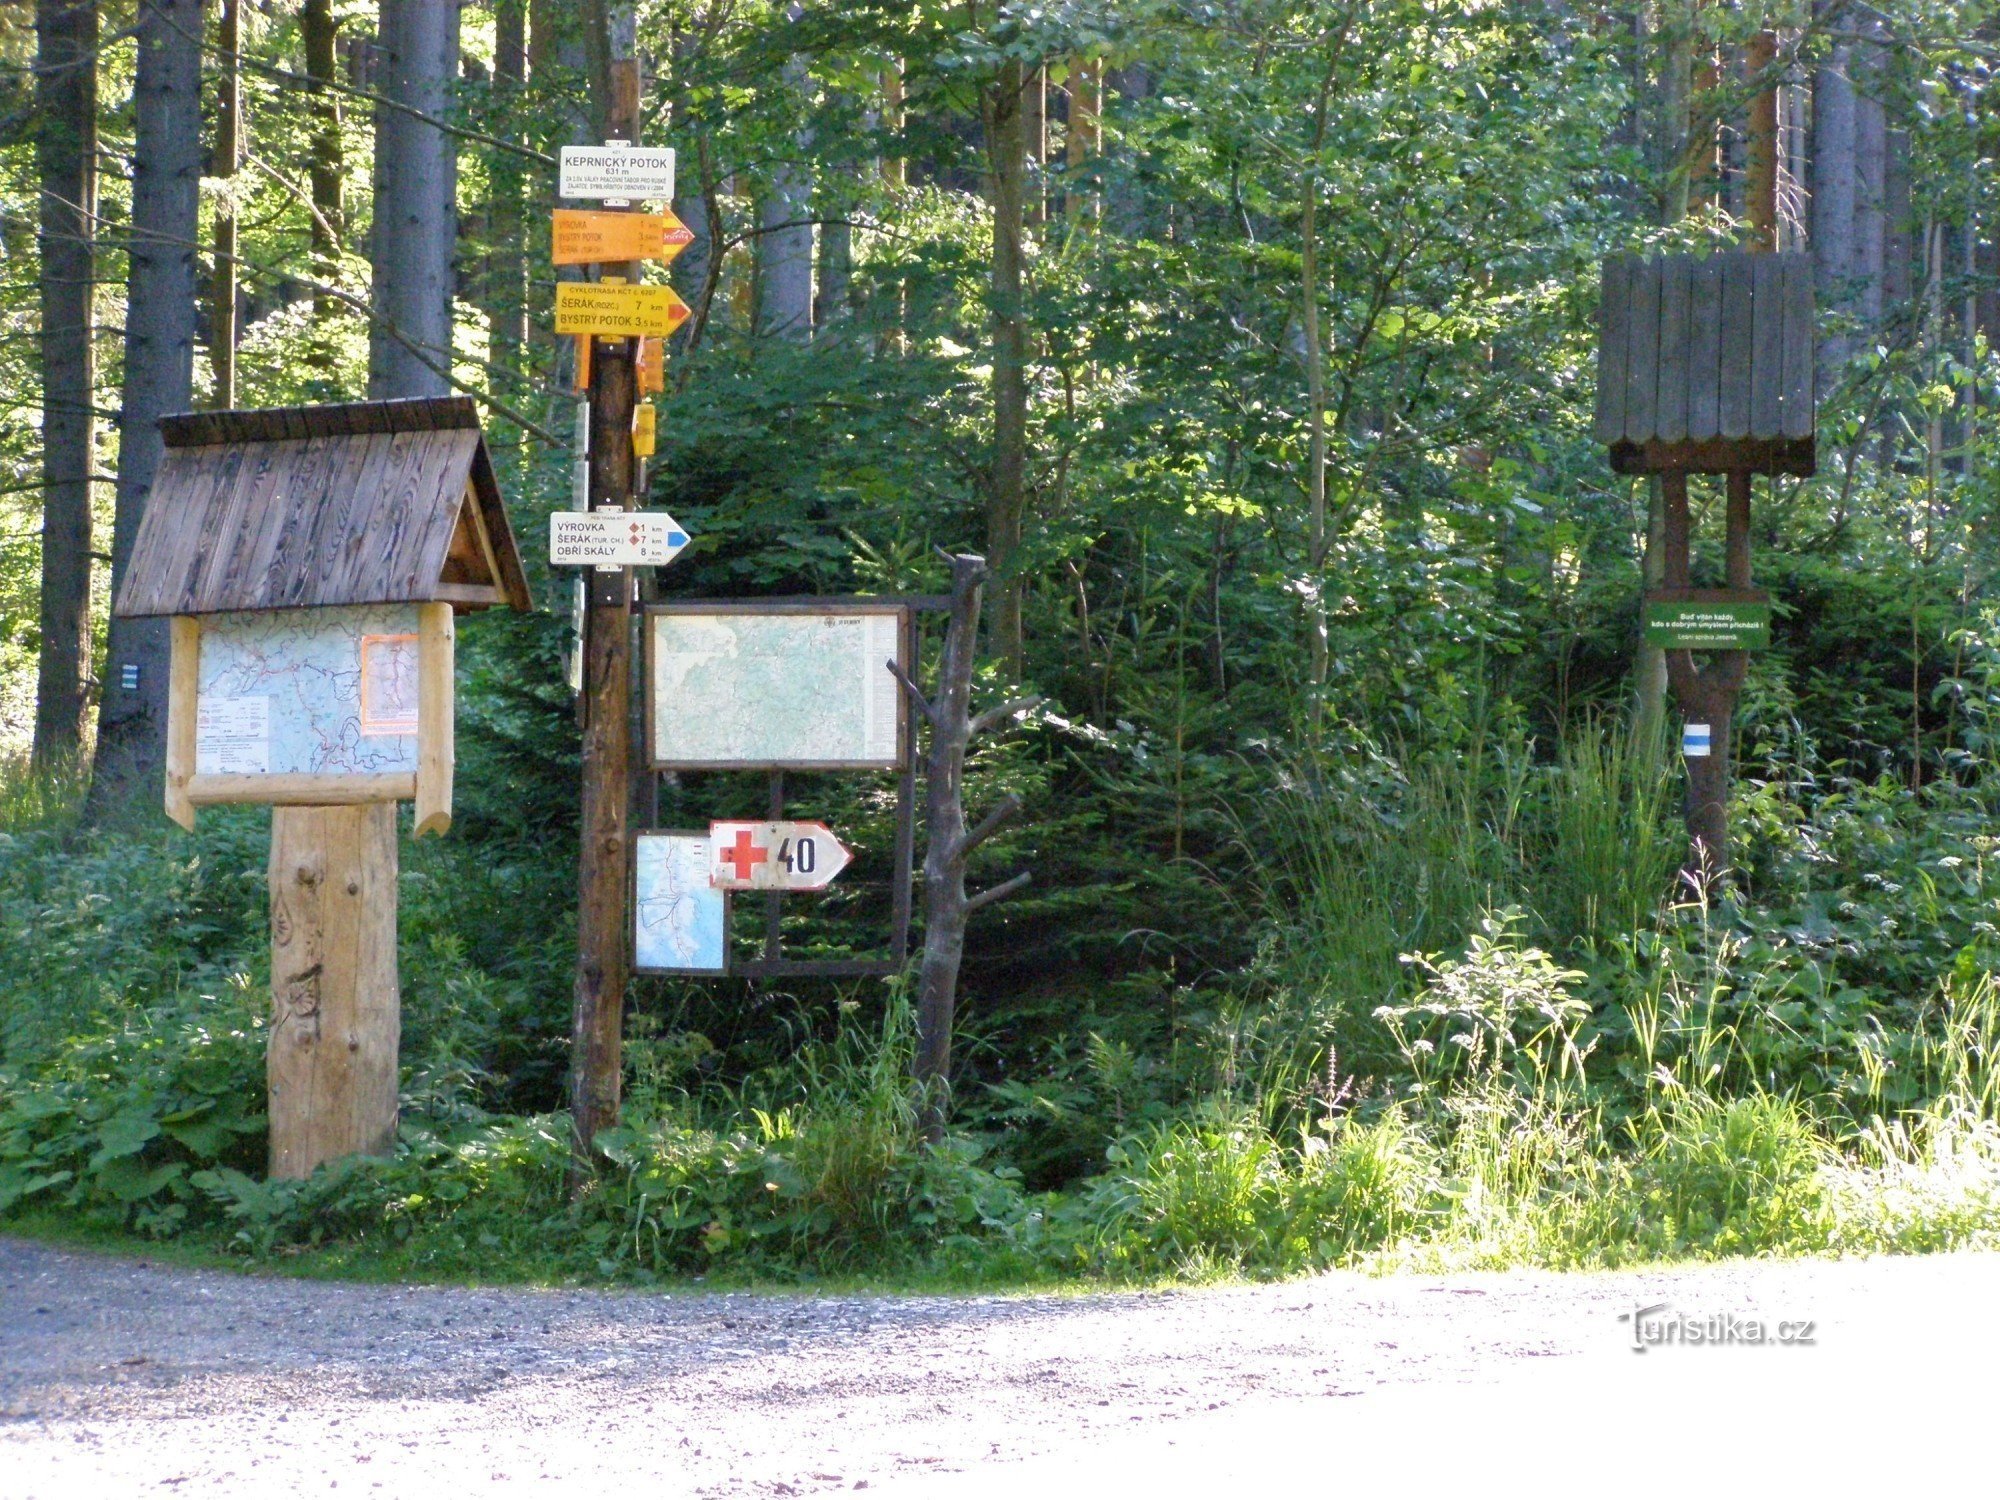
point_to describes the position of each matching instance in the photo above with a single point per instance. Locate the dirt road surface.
(122, 1378)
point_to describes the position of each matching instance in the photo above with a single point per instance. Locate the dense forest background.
(1254, 343)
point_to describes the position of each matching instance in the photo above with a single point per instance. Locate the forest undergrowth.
(1477, 1028)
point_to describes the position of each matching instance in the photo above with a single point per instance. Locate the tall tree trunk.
(785, 254)
(833, 301)
(1006, 503)
(1035, 131)
(1899, 246)
(507, 267)
(1128, 207)
(66, 162)
(784, 222)
(416, 202)
(160, 319)
(228, 158)
(1671, 167)
(1761, 187)
(324, 160)
(1871, 171)
(1833, 152)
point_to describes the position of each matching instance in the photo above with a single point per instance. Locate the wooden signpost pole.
(335, 1015)
(603, 963)
(1707, 695)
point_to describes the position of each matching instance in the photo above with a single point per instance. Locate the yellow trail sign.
(618, 311)
(583, 237)
(652, 366)
(645, 424)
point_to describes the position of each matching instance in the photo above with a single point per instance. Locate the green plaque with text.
(1708, 624)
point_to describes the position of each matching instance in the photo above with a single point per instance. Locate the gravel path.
(118, 1377)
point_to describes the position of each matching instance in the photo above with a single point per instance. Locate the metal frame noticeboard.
(771, 962)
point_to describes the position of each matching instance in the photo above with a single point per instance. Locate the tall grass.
(1356, 867)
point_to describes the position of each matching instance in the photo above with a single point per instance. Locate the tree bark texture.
(785, 230)
(603, 961)
(1833, 198)
(161, 314)
(945, 908)
(66, 164)
(228, 158)
(331, 1061)
(325, 163)
(506, 263)
(1007, 499)
(1871, 173)
(1761, 184)
(1707, 695)
(416, 202)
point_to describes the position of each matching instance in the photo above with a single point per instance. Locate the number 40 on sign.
(774, 856)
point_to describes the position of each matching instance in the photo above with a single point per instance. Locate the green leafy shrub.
(118, 1121)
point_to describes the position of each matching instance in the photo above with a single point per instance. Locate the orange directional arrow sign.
(618, 311)
(583, 236)
(774, 856)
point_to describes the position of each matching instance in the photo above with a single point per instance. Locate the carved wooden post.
(335, 1023)
(946, 905)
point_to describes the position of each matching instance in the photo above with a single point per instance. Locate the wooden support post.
(603, 954)
(1708, 695)
(335, 1008)
(436, 719)
(183, 684)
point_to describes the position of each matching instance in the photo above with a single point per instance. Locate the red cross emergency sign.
(774, 856)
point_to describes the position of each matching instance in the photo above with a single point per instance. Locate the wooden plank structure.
(1707, 365)
(257, 517)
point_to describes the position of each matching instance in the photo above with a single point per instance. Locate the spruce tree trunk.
(784, 221)
(160, 318)
(66, 161)
(507, 268)
(1871, 170)
(1006, 502)
(416, 202)
(325, 163)
(1833, 142)
(222, 330)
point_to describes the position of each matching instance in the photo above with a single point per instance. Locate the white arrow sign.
(614, 538)
(774, 856)
(617, 173)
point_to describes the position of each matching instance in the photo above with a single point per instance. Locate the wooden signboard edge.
(803, 607)
(183, 701)
(632, 939)
(302, 789)
(436, 640)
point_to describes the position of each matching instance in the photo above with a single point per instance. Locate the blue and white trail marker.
(1695, 741)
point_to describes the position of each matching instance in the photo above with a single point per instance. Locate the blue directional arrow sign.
(614, 539)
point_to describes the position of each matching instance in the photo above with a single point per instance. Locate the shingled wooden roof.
(1707, 363)
(368, 503)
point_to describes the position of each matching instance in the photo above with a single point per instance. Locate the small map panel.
(681, 921)
(328, 692)
(803, 688)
